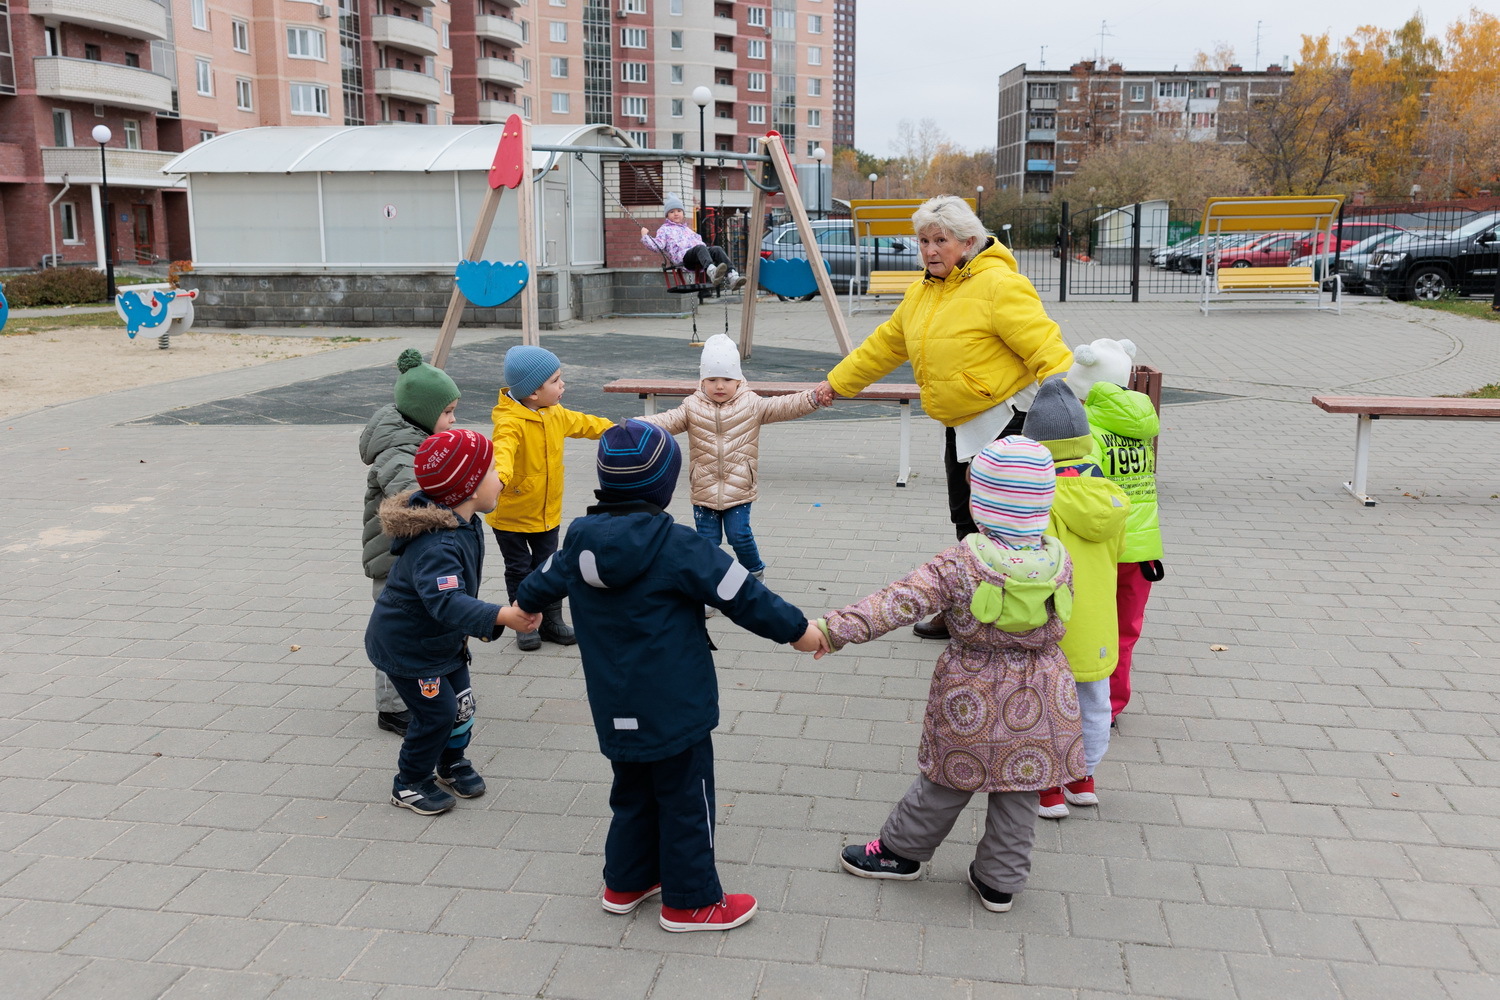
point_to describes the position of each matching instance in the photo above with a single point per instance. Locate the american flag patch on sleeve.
(447, 583)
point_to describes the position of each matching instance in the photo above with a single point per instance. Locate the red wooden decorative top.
(1410, 406)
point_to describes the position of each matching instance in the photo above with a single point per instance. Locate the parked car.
(836, 242)
(1188, 255)
(1464, 261)
(1347, 234)
(1354, 263)
(1269, 250)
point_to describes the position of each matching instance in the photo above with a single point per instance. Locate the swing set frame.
(775, 176)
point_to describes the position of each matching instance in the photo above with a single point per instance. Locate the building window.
(676, 107)
(559, 67)
(814, 86)
(1169, 119)
(675, 8)
(309, 99)
(205, 77)
(756, 114)
(447, 41)
(676, 74)
(675, 40)
(633, 107)
(633, 72)
(62, 127)
(243, 95)
(1232, 93)
(633, 6)
(1042, 91)
(755, 17)
(812, 144)
(815, 24)
(200, 14)
(559, 104)
(559, 3)
(305, 43)
(68, 211)
(557, 31)
(526, 107)
(239, 31)
(50, 44)
(526, 70)
(677, 141)
(641, 139)
(633, 38)
(447, 81)
(815, 55)
(756, 49)
(132, 129)
(1205, 119)
(755, 82)
(1172, 88)
(814, 118)
(1137, 91)
(204, 135)
(92, 53)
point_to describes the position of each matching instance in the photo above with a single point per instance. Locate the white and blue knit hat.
(1011, 483)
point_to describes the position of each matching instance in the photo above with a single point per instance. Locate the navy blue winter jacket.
(431, 599)
(637, 583)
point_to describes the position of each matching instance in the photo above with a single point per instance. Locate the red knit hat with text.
(450, 465)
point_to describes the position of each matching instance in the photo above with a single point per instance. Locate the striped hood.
(1011, 483)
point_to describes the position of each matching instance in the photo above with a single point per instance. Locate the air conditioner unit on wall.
(325, 11)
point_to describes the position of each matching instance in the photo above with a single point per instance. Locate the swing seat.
(680, 280)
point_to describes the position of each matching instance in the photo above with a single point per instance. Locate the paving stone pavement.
(193, 792)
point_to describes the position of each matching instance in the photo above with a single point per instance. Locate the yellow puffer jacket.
(724, 440)
(974, 339)
(529, 459)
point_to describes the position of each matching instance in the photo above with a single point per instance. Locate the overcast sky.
(943, 61)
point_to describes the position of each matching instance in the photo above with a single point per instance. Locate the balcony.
(405, 33)
(1042, 104)
(419, 88)
(501, 71)
(1041, 135)
(725, 92)
(137, 168)
(1041, 166)
(498, 111)
(719, 59)
(498, 29)
(132, 18)
(101, 83)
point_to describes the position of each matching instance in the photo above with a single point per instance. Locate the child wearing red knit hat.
(419, 631)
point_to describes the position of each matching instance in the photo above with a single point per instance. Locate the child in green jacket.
(1088, 517)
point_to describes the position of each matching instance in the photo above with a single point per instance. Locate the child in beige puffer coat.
(722, 421)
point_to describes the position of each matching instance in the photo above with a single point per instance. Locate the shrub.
(56, 286)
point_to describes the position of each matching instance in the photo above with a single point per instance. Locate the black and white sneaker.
(874, 861)
(993, 899)
(423, 797)
(461, 779)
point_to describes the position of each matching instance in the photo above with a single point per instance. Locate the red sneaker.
(624, 902)
(1050, 803)
(731, 911)
(1081, 792)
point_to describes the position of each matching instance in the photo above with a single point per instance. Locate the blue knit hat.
(526, 368)
(638, 461)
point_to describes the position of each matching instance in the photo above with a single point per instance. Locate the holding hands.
(813, 641)
(517, 620)
(825, 393)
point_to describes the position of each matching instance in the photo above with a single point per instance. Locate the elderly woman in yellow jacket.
(978, 340)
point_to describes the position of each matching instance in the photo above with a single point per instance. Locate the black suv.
(1464, 262)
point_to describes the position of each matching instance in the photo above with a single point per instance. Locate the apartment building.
(1048, 119)
(843, 73)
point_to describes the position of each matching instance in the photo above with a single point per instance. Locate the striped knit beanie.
(451, 465)
(1010, 491)
(638, 461)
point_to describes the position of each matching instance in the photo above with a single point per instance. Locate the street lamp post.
(817, 154)
(701, 97)
(102, 135)
(979, 202)
(873, 178)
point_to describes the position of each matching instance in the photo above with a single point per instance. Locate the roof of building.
(373, 148)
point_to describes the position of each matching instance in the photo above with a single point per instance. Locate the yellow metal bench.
(1229, 217)
(891, 282)
(874, 218)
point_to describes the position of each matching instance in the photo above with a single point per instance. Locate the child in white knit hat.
(722, 420)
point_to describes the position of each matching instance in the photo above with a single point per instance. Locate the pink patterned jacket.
(675, 239)
(1002, 711)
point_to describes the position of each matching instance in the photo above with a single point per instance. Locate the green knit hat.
(422, 391)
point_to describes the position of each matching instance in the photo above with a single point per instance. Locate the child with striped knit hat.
(1002, 712)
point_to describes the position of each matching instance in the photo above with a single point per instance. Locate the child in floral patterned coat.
(1002, 713)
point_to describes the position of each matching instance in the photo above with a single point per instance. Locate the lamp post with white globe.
(872, 179)
(979, 203)
(102, 135)
(817, 154)
(701, 97)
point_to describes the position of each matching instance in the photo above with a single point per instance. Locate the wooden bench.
(903, 394)
(1267, 279)
(1370, 408)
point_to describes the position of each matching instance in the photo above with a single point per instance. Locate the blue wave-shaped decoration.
(791, 277)
(490, 283)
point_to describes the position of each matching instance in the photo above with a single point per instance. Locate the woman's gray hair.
(951, 215)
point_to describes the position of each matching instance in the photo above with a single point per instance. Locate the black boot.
(528, 641)
(554, 628)
(937, 628)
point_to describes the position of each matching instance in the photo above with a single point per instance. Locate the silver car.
(836, 242)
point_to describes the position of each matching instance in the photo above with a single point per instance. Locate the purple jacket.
(675, 239)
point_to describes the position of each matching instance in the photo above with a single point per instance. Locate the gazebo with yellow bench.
(1315, 215)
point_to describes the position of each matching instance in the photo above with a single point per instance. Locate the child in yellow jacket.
(530, 425)
(1088, 516)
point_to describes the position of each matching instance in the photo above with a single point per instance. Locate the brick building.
(1048, 119)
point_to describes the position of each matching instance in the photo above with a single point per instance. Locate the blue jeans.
(734, 524)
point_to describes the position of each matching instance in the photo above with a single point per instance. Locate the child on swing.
(685, 248)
